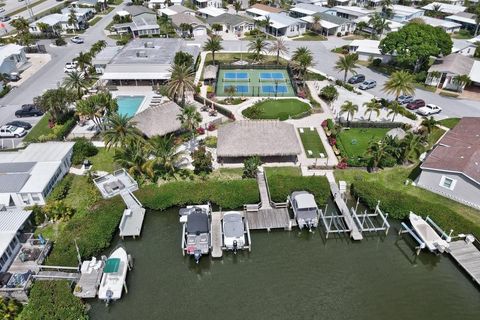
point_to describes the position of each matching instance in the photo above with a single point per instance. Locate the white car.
(77, 40)
(2, 10)
(429, 109)
(70, 67)
(12, 132)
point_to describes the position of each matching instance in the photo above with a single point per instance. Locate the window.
(292, 28)
(25, 198)
(35, 197)
(447, 183)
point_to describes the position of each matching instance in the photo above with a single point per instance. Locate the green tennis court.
(254, 83)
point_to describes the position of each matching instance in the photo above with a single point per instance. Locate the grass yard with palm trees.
(281, 109)
(354, 142)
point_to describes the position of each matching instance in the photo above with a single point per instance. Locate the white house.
(208, 3)
(444, 7)
(282, 25)
(368, 50)
(12, 221)
(104, 57)
(197, 27)
(233, 23)
(210, 12)
(304, 9)
(444, 70)
(448, 26)
(261, 10)
(27, 176)
(330, 24)
(13, 59)
(175, 9)
(59, 21)
(392, 25)
(404, 13)
(466, 19)
(464, 47)
(144, 22)
(350, 13)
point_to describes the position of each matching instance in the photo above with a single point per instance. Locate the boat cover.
(197, 222)
(111, 265)
(233, 225)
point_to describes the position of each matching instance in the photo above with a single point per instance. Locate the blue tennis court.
(271, 76)
(239, 88)
(234, 76)
(266, 88)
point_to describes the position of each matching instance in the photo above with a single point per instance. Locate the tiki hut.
(159, 119)
(210, 74)
(271, 140)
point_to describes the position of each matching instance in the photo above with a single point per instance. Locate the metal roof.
(11, 220)
(13, 182)
(16, 167)
(43, 152)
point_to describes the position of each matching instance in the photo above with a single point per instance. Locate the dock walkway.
(355, 233)
(217, 242)
(268, 219)
(132, 219)
(467, 256)
(263, 189)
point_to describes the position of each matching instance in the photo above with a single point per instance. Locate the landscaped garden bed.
(311, 142)
(281, 109)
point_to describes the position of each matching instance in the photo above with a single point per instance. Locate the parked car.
(20, 124)
(77, 40)
(368, 84)
(2, 10)
(356, 79)
(5, 18)
(429, 109)
(70, 67)
(12, 132)
(415, 104)
(28, 110)
(404, 99)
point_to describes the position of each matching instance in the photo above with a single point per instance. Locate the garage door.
(199, 32)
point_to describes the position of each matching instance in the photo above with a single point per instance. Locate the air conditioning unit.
(142, 54)
(149, 44)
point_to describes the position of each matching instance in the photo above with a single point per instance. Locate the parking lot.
(7, 114)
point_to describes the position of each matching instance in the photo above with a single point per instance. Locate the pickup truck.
(12, 132)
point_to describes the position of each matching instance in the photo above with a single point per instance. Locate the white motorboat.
(196, 230)
(234, 231)
(114, 276)
(427, 234)
(305, 209)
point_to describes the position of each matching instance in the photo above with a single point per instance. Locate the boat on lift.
(114, 275)
(234, 231)
(196, 239)
(433, 241)
(305, 209)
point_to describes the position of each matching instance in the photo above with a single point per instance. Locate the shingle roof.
(180, 18)
(137, 10)
(228, 19)
(458, 150)
(331, 18)
(159, 120)
(264, 7)
(257, 138)
(453, 63)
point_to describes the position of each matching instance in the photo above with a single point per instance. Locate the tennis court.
(254, 83)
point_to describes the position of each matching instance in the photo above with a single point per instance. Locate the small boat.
(234, 231)
(305, 209)
(426, 233)
(196, 230)
(114, 275)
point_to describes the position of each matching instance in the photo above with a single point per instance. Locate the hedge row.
(281, 187)
(93, 231)
(399, 204)
(231, 194)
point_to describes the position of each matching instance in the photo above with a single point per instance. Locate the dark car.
(28, 110)
(20, 124)
(415, 104)
(356, 79)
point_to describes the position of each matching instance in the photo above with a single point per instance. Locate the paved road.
(325, 62)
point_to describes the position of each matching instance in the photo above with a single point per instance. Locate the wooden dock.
(263, 189)
(132, 219)
(355, 233)
(467, 256)
(217, 242)
(268, 219)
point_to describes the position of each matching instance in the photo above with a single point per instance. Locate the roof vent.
(142, 54)
(149, 44)
(461, 157)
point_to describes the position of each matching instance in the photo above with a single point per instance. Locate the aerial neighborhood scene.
(239, 159)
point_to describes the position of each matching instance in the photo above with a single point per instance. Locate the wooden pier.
(467, 256)
(217, 242)
(133, 215)
(355, 233)
(268, 219)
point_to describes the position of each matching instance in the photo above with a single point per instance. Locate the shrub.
(211, 127)
(202, 161)
(60, 42)
(420, 76)
(330, 124)
(9, 308)
(329, 93)
(282, 186)
(58, 210)
(6, 89)
(339, 34)
(376, 62)
(398, 205)
(410, 115)
(250, 167)
(211, 142)
(82, 149)
(201, 130)
(53, 300)
(61, 189)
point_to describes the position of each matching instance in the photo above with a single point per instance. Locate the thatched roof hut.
(159, 120)
(270, 139)
(210, 72)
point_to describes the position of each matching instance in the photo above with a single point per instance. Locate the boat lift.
(366, 221)
(332, 222)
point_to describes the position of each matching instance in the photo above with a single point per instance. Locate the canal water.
(289, 275)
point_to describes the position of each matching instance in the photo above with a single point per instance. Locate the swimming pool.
(128, 105)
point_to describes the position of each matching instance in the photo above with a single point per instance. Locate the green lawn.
(94, 21)
(283, 171)
(103, 160)
(354, 142)
(281, 109)
(311, 142)
(449, 122)
(41, 128)
(311, 36)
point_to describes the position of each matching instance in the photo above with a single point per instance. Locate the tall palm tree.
(302, 59)
(429, 124)
(180, 82)
(278, 47)
(377, 151)
(213, 45)
(165, 156)
(347, 64)
(190, 119)
(477, 20)
(132, 157)
(72, 19)
(237, 5)
(121, 131)
(350, 109)
(84, 60)
(372, 106)
(316, 25)
(400, 83)
(88, 108)
(55, 101)
(461, 81)
(410, 147)
(395, 108)
(75, 81)
(97, 47)
(258, 46)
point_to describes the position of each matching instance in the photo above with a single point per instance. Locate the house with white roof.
(27, 176)
(13, 59)
(351, 13)
(101, 59)
(282, 25)
(144, 22)
(175, 9)
(59, 21)
(197, 27)
(404, 13)
(210, 12)
(208, 3)
(331, 24)
(303, 10)
(448, 26)
(12, 221)
(392, 25)
(465, 19)
(464, 47)
(444, 7)
(233, 23)
(367, 50)
(261, 10)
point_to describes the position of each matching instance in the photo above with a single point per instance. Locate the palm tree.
(180, 82)
(83, 60)
(75, 81)
(303, 59)
(43, 27)
(349, 108)
(347, 64)
(461, 81)
(377, 150)
(121, 131)
(72, 19)
(410, 147)
(429, 124)
(97, 47)
(258, 46)
(237, 5)
(395, 108)
(477, 20)
(230, 91)
(166, 156)
(278, 47)
(316, 25)
(132, 157)
(55, 101)
(436, 10)
(378, 24)
(213, 45)
(190, 119)
(372, 106)
(400, 83)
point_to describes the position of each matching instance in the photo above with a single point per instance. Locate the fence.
(369, 124)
